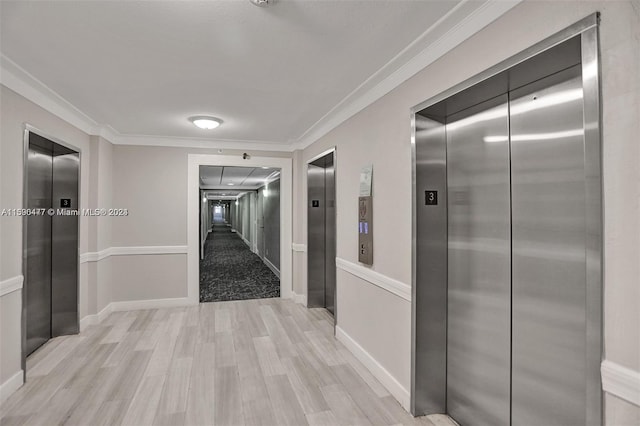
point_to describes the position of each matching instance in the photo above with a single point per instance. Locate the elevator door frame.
(28, 129)
(429, 396)
(308, 162)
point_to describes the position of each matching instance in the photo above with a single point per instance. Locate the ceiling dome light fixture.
(261, 3)
(205, 121)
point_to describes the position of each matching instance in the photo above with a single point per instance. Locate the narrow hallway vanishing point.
(230, 271)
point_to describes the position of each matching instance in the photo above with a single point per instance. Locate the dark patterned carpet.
(230, 271)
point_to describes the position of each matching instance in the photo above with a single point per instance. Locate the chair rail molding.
(10, 285)
(621, 381)
(389, 284)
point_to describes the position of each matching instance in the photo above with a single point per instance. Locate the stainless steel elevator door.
(479, 270)
(316, 269)
(321, 234)
(38, 249)
(549, 254)
(64, 240)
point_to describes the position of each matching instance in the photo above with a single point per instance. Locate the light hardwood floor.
(254, 362)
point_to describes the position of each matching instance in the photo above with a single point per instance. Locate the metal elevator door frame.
(576, 45)
(321, 232)
(63, 238)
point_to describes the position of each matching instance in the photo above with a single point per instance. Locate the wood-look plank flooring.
(252, 362)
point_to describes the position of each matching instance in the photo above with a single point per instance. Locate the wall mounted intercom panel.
(365, 230)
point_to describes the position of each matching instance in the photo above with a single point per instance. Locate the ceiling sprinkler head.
(261, 3)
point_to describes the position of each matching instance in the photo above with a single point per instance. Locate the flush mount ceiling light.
(205, 121)
(261, 3)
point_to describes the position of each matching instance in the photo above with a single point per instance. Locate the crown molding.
(182, 142)
(22, 82)
(460, 23)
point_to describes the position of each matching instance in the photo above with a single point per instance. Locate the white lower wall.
(619, 412)
(149, 277)
(11, 343)
(381, 326)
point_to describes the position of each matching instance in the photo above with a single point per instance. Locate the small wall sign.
(65, 203)
(431, 198)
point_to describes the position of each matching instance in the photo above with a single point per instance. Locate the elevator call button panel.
(365, 230)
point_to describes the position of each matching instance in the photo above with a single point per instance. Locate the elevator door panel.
(479, 275)
(38, 250)
(548, 252)
(330, 236)
(64, 232)
(316, 236)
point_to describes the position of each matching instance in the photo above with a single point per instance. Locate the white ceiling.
(230, 180)
(140, 68)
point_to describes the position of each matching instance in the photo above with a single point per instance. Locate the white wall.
(380, 134)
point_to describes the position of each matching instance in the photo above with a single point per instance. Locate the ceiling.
(221, 182)
(271, 73)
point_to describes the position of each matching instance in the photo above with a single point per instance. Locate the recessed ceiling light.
(265, 167)
(231, 184)
(205, 121)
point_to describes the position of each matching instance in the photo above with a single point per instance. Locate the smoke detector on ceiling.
(262, 3)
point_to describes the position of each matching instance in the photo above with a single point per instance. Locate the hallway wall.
(271, 211)
(15, 112)
(379, 320)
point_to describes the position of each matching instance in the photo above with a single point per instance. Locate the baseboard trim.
(379, 372)
(300, 298)
(11, 385)
(621, 381)
(134, 305)
(396, 287)
(10, 285)
(94, 319)
(87, 321)
(271, 266)
(130, 251)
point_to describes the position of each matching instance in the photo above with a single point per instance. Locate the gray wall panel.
(271, 208)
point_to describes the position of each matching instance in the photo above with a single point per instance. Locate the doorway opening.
(239, 233)
(50, 239)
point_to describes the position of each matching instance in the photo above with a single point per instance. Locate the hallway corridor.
(230, 271)
(256, 362)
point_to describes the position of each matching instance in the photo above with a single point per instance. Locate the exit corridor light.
(205, 122)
